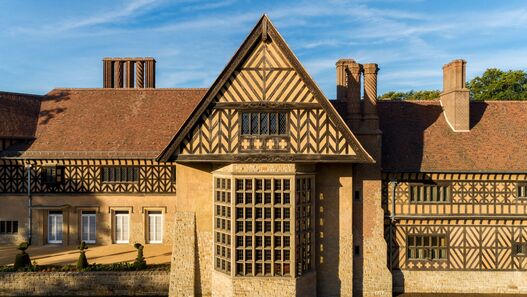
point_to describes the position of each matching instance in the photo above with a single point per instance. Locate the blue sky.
(48, 44)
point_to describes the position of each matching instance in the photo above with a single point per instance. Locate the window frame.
(52, 175)
(112, 175)
(155, 213)
(521, 186)
(259, 133)
(88, 213)
(424, 188)
(13, 227)
(121, 213)
(427, 249)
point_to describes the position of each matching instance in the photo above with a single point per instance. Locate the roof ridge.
(127, 89)
(20, 94)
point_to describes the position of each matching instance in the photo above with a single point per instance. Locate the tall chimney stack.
(348, 88)
(370, 117)
(455, 96)
(129, 73)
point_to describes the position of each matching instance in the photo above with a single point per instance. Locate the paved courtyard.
(62, 255)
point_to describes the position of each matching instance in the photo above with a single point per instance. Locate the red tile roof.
(416, 137)
(18, 115)
(109, 123)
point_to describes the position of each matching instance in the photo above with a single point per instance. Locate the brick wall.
(141, 283)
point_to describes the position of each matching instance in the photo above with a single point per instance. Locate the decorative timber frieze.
(87, 176)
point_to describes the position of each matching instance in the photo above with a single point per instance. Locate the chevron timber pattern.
(483, 221)
(266, 76)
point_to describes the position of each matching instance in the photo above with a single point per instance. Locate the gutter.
(393, 183)
(30, 202)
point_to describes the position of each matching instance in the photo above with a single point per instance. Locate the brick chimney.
(370, 96)
(129, 73)
(348, 88)
(455, 96)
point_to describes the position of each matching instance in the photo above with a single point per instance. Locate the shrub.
(22, 260)
(82, 262)
(140, 262)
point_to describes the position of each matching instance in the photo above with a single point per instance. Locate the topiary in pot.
(22, 260)
(140, 262)
(82, 262)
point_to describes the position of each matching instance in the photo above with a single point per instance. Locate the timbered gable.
(264, 107)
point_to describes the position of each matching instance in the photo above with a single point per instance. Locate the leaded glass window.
(264, 123)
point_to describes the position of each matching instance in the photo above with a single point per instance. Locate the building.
(267, 188)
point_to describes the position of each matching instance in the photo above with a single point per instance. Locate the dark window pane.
(264, 123)
(273, 124)
(8, 227)
(15, 226)
(245, 123)
(282, 123)
(2, 226)
(254, 123)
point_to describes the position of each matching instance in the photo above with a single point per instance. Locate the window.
(264, 123)
(52, 175)
(222, 227)
(424, 193)
(120, 174)
(426, 247)
(88, 226)
(521, 190)
(155, 227)
(122, 226)
(519, 249)
(55, 227)
(263, 226)
(8, 227)
(303, 223)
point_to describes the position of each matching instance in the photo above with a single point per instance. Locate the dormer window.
(264, 123)
(52, 175)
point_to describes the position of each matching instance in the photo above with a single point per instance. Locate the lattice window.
(519, 249)
(426, 247)
(120, 174)
(264, 123)
(521, 190)
(304, 224)
(8, 227)
(263, 226)
(52, 175)
(424, 193)
(222, 228)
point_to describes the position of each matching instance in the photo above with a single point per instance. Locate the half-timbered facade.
(264, 187)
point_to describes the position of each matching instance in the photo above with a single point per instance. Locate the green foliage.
(82, 262)
(496, 84)
(22, 260)
(411, 95)
(140, 262)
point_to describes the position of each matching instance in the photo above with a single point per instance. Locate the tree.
(411, 95)
(496, 84)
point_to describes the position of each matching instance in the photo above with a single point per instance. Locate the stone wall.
(141, 283)
(484, 282)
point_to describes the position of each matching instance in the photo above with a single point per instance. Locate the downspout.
(30, 203)
(393, 183)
